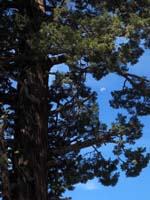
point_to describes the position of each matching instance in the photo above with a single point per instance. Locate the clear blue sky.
(127, 188)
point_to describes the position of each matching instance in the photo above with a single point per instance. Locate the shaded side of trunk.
(30, 163)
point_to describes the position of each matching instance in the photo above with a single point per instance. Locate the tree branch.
(7, 74)
(129, 77)
(55, 60)
(99, 140)
(41, 5)
(7, 98)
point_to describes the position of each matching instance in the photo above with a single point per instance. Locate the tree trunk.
(30, 163)
(29, 179)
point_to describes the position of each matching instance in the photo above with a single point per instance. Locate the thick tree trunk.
(30, 163)
(29, 177)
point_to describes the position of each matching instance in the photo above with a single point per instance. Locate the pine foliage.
(87, 37)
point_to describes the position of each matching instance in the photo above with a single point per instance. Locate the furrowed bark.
(30, 139)
(31, 136)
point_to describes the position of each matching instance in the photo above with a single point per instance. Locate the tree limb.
(99, 140)
(7, 98)
(129, 77)
(55, 60)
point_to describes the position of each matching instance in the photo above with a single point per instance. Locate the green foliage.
(85, 34)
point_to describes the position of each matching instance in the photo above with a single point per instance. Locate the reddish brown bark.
(30, 164)
(41, 5)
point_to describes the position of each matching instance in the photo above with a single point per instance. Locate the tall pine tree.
(44, 127)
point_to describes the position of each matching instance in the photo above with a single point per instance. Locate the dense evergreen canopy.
(44, 127)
